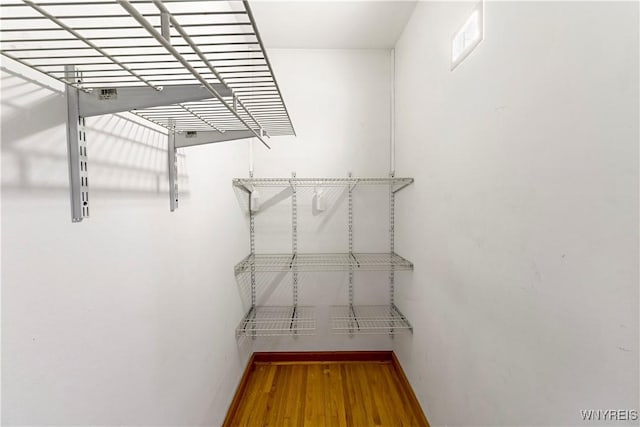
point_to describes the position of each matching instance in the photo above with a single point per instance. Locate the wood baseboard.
(242, 386)
(322, 356)
(407, 386)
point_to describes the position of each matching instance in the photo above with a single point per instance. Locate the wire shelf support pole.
(294, 238)
(76, 149)
(252, 248)
(172, 157)
(392, 247)
(294, 248)
(350, 229)
(252, 244)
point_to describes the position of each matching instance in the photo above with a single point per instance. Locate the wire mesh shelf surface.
(319, 182)
(368, 319)
(323, 262)
(278, 320)
(109, 45)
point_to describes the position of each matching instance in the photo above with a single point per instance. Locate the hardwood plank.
(259, 404)
(380, 399)
(296, 397)
(347, 395)
(313, 414)
(274, 396)
(336, 394)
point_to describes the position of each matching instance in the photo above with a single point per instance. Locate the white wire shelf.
(368, 319)
(278, 321)
(323, 262)
(250, 183)
(154, 44)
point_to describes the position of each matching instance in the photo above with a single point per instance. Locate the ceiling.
(310, 24)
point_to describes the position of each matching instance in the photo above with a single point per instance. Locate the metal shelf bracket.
(109, 100)
(188, 139)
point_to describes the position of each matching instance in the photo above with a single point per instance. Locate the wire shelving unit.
(195, 67)
(350, 319)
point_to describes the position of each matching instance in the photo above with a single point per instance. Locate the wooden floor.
(334, 393)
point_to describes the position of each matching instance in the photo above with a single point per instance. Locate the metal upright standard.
(172, 156)
(252, 244)
(349, 319)
(198, 68)
(294, 249)
(77, 149)
(351, 256)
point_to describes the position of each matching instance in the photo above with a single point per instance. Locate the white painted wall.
(339, 104)
(127, 318)
(523, 220)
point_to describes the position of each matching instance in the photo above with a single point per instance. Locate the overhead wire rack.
(198, 68)
(109, 47)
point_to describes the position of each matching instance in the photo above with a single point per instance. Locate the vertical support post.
(350, 225)
(252, 244)
(352, 314)
(172, 157)
(252, 247)
(392, 249)
(76, 149)
(294, 248)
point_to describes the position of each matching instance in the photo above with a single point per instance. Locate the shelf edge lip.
(286, 264)
(328, 182)
(400, 322)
